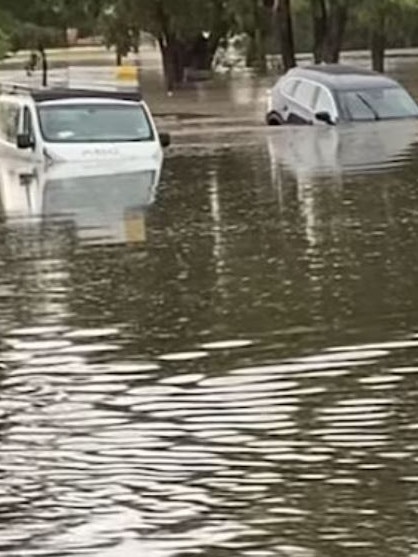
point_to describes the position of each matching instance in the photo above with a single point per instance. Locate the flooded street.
(219, 359)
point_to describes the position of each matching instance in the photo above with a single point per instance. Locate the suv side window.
(9, 121)
(304, 94)
(12, 128)
(323, 102)
(28, 124)
(290, 86)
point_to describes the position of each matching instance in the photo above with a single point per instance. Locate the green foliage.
(7, 26)
(24, 22)
(4, 43)
(30, 36)
(29, 23)
(117, 26)
(182, 18)
(397, 18)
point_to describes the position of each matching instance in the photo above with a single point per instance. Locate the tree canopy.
(189, 31)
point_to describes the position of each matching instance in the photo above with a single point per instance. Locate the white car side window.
(10, 113)
(289, 86)
(305, 93)
(310, 95)
(323, 103)
(28, 127)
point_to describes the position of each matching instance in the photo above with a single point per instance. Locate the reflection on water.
(247, 386)
(335, 156)
(333, 151)
(104, 202)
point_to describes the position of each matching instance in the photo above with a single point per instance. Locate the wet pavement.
(220, 360)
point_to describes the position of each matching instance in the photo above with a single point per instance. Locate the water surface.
(220, 362)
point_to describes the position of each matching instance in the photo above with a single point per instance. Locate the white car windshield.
(378, 104)
(75, 123)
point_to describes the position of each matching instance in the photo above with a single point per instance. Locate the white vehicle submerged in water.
(337, 94)
(65, 125)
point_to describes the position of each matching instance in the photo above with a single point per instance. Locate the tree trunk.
(256, 55)
(286, 34)
(174, 58)
(200, 54)
(337, 22)
(378, 45)
(44, 65)
(172, 49)
(261, 52)
(135, 33)
(250, 54)
(119, 56)
(167, 67)
(319, 24)
(256, 52)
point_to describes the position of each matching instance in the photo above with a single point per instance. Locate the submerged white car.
(335, 93)
(63, 124)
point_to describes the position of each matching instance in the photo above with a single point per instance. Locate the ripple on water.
(183, 356)
(406, 370)
(232, 382)
(40, 331)
(43, 346)
(382, 347)
(346, 355)
(302, 366)
(149, 457)
(92, 333)
(227, 344)
(183, 379)
(380, 380)
(90, 348)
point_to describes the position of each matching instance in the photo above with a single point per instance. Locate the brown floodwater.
(218, 360)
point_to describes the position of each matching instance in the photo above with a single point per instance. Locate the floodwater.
(218, 360)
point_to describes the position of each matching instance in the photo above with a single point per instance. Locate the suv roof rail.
(61, 91)
(58, 93)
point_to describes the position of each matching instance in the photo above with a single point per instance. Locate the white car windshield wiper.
(369, 106)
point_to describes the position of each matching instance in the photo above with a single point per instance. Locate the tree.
(37, 24)
(319, 25)
(252, 18)
(53, 14)
(329, 22)
(286, 33)
(187, 31)
(282, 13)
(4, 42)
(383, 19)
(117, 28)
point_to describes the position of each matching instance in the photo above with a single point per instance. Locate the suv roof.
(339, 69)
(63, 93)
(343, 77)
